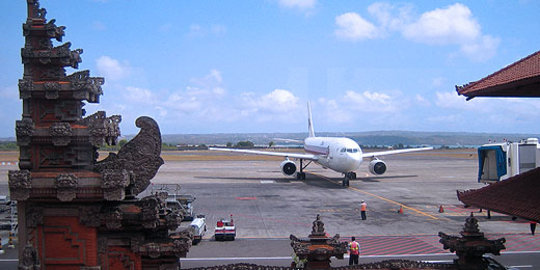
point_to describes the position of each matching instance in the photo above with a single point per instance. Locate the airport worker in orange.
(363, 209)
(354, 251)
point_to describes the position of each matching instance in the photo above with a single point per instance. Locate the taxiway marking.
(380, 197)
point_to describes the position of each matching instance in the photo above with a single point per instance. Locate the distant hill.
(370, 138)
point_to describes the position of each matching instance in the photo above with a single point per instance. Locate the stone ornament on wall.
(66, 187)
(24, 129)
(140, 156)
(60, 133)
(114, 184)
(20, 183)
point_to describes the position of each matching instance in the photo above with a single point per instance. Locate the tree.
(229, 145)
(270, 144)
(245, 144)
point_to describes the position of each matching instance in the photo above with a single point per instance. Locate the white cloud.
(111, 68)
(352, 26)
(277, 101)
(481, 49)
(450, 100)
(370, 101)
(450, 25)
(384, 14)
(420, 100)
(139, 95)
(301, 4)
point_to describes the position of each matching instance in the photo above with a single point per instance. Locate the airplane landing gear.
(301, 176)
(348, 176)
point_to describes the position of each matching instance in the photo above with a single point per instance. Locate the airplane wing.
(268, 153)
(393, 152)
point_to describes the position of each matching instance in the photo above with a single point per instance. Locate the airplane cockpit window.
(349, 150)
(355, 150)
(343, 150)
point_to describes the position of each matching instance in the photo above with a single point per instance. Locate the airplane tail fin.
(310, 122)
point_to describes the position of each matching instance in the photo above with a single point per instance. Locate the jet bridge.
(499, 161)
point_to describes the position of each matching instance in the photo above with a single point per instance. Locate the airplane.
(336, 153)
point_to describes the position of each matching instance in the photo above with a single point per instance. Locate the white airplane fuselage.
(337, 153)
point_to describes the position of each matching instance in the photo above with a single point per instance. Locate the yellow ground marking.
(380, 197)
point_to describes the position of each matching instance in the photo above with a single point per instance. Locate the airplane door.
(338, 157)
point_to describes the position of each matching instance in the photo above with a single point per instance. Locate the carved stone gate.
(75, 212)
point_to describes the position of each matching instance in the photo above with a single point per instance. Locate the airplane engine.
(377, 167)
(288, 167)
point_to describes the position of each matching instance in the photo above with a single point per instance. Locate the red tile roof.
(520, 79)
(517, 196)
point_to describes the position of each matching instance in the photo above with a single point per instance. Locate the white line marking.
(267, 181)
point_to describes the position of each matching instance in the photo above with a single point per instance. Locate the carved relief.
(113, 220)
(140, 156)
(66, 187)
(150, 212)
(30, 259)
(20, 183)
(25, 88)
(51, 90)
(24, 129)
(60, 133)
(114, 184)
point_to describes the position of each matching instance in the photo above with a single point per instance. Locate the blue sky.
(251, 66)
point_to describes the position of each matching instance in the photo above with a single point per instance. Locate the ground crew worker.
(363, 209)
(354, 251)
(533, 226)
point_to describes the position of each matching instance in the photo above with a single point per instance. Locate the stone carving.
(114, 184)
(173, 219)
(471, 247)
(51, 90)
(66, 187)
(24, 129)
(113, 219)
(25, 88)
(20, 183)
(35, 10)
(318, 226)
(150, 211)
(60, 133)
(30, 259)
(183, 241)
(318, 249)
(140, 156)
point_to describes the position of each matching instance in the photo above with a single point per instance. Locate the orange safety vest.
(355, 248)
(363, 206)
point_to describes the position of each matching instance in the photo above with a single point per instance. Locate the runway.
(267, 207)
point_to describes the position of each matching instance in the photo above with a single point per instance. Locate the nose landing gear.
(348, 176)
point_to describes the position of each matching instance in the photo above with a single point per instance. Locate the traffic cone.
(441, 209)
(10, 241)
(1, 249)
(400, 211)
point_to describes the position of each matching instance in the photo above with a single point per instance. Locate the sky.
(250, 66)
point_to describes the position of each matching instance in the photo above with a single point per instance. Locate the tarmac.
(267, 206)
